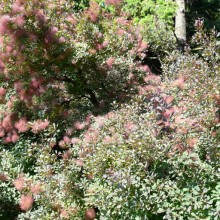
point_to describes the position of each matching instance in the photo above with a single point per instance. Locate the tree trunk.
(180, 24)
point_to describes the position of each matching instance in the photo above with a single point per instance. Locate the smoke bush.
(89, 133)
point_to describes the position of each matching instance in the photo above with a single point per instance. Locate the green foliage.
(154, 17)
(168, 172)
(91, 133)
(150, 12)
(80, 4)
(157, 19)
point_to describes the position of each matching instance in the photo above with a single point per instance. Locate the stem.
(92, 96)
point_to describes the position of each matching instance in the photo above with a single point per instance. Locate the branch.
(92, 96)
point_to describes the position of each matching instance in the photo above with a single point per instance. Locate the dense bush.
(87, 132)
(205, 10)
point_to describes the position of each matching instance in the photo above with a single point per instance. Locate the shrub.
(151, 153)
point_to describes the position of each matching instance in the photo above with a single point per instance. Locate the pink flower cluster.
(105, 43)
(91, 136)
(93, 11)
(35, 88)
(64, 213)
(19, 183)
(22, 125)
(7, 129)
(130, 126)
(36, 189)
(39, 125)
(145, 68)
(39, 14)
(75, 140)
(113, 2)
(19, 20)
(180, 83)
(64, 142)
(122, 20)
(17, 7)
(11, 137)
(4, 22)
(151, 77)
(67, 154)
(169, 99)
(3, 177)
(79, 125)
(2, 66)
(141, 46)
(26, 202)
(2, 91)
(110, 61)
(51, 35)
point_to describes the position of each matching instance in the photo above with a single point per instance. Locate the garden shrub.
(121, 142)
